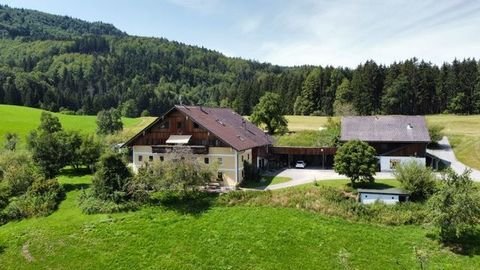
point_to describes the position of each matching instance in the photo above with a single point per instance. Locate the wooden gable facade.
(176, 123)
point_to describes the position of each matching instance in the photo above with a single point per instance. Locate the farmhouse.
(396, 138)
(211, 134)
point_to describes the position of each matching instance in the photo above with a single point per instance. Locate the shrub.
(180, 177)
(356, 160)
(419, 180)
(41, 199)
(11, 140)
(455, 207)
(109, 182)
(90, 204)
(332, 202)
(436, 133)
(17, 172)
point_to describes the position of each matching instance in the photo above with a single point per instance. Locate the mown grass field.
(215, 238)
(463, 132)
(22, 120)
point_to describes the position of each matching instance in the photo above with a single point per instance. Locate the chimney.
(244, 124)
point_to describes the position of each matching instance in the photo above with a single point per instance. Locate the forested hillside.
(60, 63)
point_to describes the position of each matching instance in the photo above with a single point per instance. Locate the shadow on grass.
(2, 248)
(371, 185)
(192, 204)
(72, 172)
(71, 187)
(264, 181)
(468, 245)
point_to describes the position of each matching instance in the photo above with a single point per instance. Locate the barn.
(396, 138)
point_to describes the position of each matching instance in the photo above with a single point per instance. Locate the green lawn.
(22, 120)
(464, 135)
(216, 238)
(302, 122)
(266, 181)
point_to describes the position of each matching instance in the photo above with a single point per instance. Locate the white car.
(300, 164)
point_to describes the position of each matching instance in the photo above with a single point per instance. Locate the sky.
(295, 32)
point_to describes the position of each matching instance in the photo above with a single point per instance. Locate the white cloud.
(250, 24)
(348, 33)
(204, 6)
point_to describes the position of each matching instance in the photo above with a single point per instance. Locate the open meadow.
(213, 236)
(22, 120)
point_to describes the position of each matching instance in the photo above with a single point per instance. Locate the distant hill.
(33, 24)
(61, 63)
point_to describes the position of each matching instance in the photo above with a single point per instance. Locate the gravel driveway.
(309, 175)
(446, 153)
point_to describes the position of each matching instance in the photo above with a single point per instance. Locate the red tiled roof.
(227, 125)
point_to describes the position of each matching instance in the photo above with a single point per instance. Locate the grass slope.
(22, 120)
(217, 238)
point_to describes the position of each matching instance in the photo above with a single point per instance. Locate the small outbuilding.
(387, 196)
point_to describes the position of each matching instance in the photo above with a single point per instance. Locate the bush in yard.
(419, 180)
(109, 182)
(93, 205)
(11, 140)
(356, 160)
(455, 207)
(24, 192)
(181, 177)
(436, 133)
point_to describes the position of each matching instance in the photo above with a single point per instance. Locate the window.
(140, 158)
(220, 161)
(248, 156)
(164, 125)
(206, 160)
(195, 125)
(242, 158)
(161, 158)
(179, 125)
(150, 158)
(220, 176)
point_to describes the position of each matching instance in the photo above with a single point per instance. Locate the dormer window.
(164, 125)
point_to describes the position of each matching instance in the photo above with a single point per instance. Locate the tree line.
(80, 67)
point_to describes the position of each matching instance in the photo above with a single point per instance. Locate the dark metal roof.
(224, 123)
(385, 128)
(393, 191)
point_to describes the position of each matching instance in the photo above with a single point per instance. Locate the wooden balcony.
(194, 149)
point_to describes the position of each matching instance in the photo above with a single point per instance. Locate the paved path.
(305, 176)
(445, 152)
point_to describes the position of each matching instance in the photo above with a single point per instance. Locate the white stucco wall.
(386, 162)
(231, 165)
(384, 198)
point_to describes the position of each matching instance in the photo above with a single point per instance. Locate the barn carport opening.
(287, 156)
